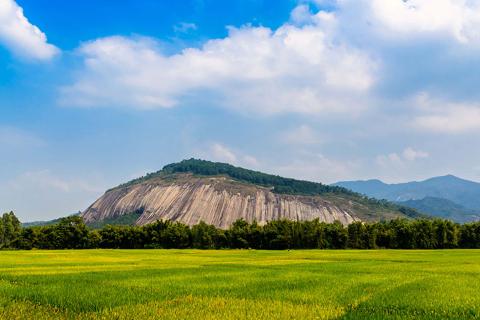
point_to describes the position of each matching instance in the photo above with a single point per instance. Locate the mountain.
(40, 223)
(124, 220)
(440, 196)
(443, 208)
(45, 222)
(460, 191)
(219, 194)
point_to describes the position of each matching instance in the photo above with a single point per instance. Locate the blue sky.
(93, 93)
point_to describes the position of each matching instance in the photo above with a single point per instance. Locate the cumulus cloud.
(420, 45)
(411, 154)
(454, 119)
(254, 69)
(459, 19)
(20, 36)
(431, 47)
(389, 160)
(444, 116)
(410, 19)
(222, 153)
(301, 14)
(250, 161)
(397, 160)
(359, 57)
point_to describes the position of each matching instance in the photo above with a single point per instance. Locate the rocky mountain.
(219, 194)
(440, 196)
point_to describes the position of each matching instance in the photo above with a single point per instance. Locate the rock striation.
(216, 200)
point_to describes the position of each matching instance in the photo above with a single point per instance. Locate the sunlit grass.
(242, 284)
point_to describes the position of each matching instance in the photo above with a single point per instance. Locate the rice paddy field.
(241, 284)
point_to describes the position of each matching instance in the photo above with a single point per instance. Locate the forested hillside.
(443, 208)
(277, 183)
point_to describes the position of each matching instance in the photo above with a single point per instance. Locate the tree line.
(72, 233)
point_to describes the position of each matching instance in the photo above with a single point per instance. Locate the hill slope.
(460, 191)
(216, 193)
(443, 208)
(45, 222)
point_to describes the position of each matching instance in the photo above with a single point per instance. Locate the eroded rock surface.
(215, 200)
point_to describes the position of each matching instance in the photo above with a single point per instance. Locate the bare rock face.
(219, 201)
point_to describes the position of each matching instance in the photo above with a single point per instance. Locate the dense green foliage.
(69, 233)
(279, 184)
(239, 284)
(72, 233)
(124, 220)
(10, 229)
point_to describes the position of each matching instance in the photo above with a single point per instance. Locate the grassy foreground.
(194, 284)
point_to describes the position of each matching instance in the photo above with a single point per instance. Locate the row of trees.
(72, 233)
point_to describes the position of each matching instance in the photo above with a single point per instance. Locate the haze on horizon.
(96, 93)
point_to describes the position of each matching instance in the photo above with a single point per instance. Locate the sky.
(95, 93)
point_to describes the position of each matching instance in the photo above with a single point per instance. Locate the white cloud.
(301, 14)
(409, 19)
(20, 36)
(250, 161)
(411, 154)
(222, 153)
(445, 116)
(391, 159)
(318, 63)
(253, 70)
(457, 18)
(360, 58)
(395, 160)
(453, 120)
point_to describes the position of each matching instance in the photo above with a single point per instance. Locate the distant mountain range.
(446, 196)
(443, 208)
(46, 222)
(218, 193)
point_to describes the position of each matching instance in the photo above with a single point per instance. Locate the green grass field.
(195, 284)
